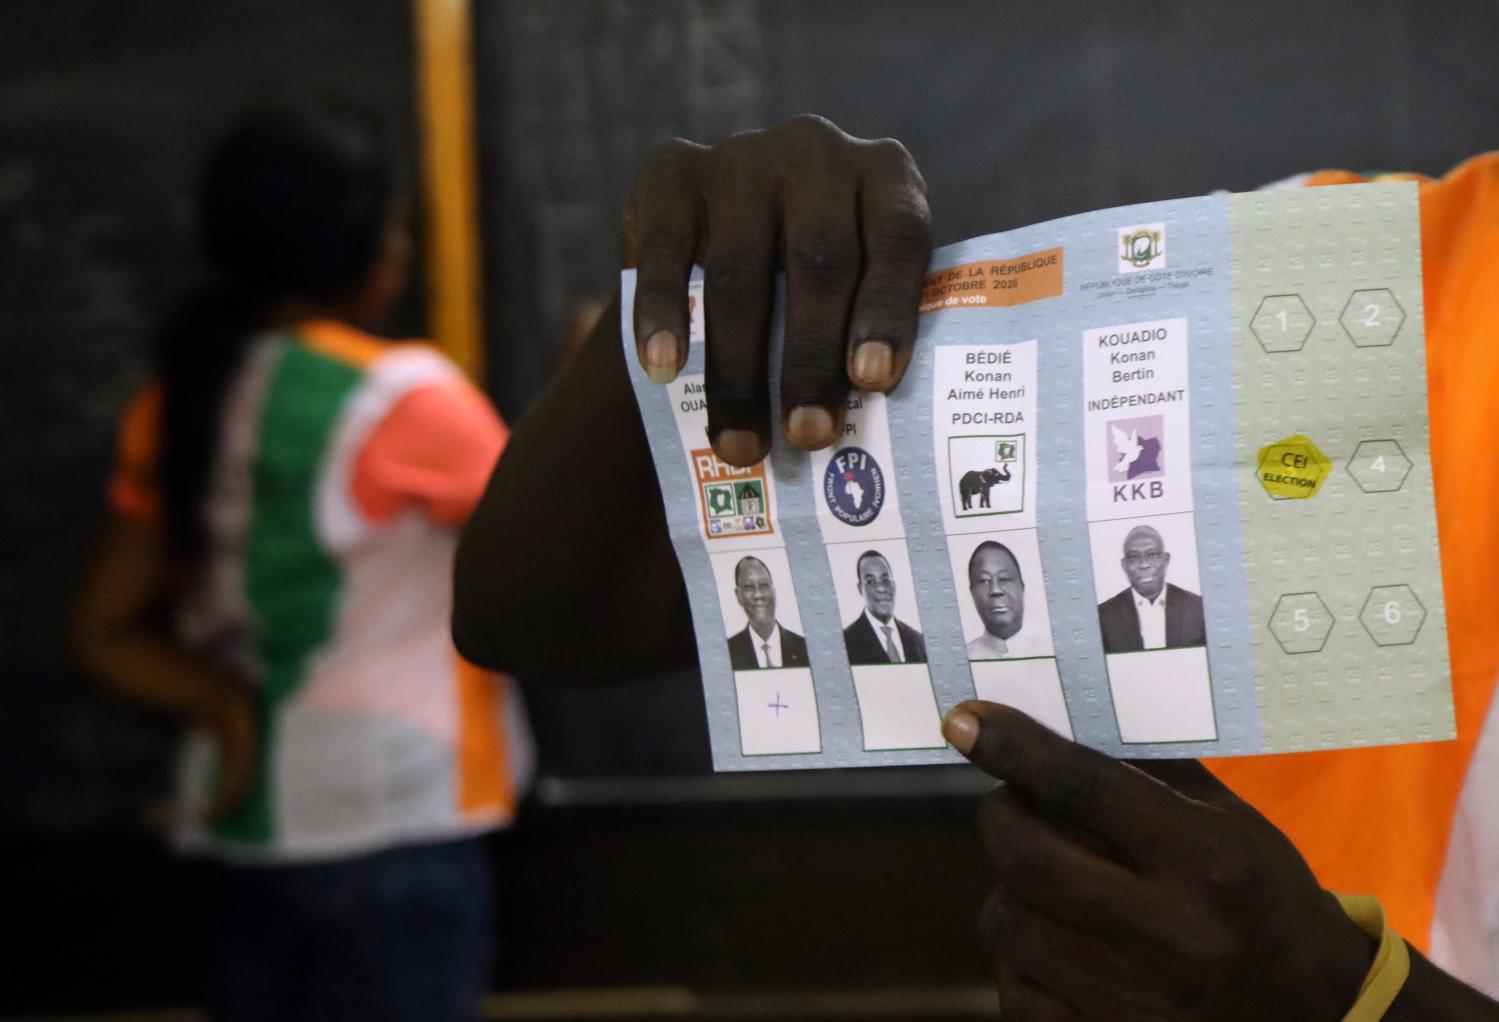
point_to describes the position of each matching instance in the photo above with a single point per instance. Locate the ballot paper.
(1159, 476)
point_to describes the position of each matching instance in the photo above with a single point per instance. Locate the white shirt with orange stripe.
(1418, 825)
(344, 467)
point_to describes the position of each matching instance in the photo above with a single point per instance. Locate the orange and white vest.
(1418, 825)
(344, 468)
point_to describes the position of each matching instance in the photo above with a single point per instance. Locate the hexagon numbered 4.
(1379, 466)
(1372, 317)
(1282, 323)
(1392, 615)
(1301, 622)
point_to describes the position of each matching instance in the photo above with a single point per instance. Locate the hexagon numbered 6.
(1392, 615)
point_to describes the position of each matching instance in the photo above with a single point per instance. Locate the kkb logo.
(854, 486)
(1142, 247)
(1137, 457)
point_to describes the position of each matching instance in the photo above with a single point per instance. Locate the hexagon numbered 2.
(1372, 318)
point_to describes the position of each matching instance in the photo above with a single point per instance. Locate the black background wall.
(1016, 112)
(105, 109)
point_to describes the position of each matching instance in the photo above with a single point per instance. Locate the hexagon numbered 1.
(1301, 622)
(1379, 466)
(1282, 323)
(1372, 317)
(1392, 615)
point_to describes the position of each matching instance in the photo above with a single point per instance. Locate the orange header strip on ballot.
(994, 282)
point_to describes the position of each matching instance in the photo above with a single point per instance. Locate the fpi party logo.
(854, 486)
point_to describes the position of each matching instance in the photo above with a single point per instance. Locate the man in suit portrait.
(763, 642)
(876, 636)
(1150, 614)
(998, 591)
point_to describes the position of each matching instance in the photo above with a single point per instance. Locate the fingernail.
(809, 426)
(873, 362)
(740, 446)
(661, 356)
(961, 729)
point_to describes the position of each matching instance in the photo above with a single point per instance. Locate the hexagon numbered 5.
(1301, 622)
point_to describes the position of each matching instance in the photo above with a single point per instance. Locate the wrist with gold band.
(1392, 962)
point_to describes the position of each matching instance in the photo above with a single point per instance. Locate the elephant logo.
(979, 483)
(978, 465)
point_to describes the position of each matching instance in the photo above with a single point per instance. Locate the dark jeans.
(398, 934)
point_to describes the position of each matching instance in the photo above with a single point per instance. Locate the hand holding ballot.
(1118, 399)
(1151, 891)
(1068, 485)
(1104, 494)
(847, 221)
(845, 218)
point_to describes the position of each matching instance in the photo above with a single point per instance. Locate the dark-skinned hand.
(1145, 892)
(847, 220)
(1124, 892)
(233, 719)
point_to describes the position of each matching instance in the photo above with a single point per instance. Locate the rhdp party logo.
(854, 486)
(1136, 448)
(1142, 248)
(735, 500)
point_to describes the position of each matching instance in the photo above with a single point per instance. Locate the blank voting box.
(1031, 686)
(897, 709)
(1163, 695)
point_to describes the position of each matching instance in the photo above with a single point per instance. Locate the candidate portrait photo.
(1150, 612)
(876, 635)
(1001, 575)
(764, 642)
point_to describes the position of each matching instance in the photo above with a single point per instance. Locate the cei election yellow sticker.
(1293, 468)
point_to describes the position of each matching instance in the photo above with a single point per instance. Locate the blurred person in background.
(276, 575)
